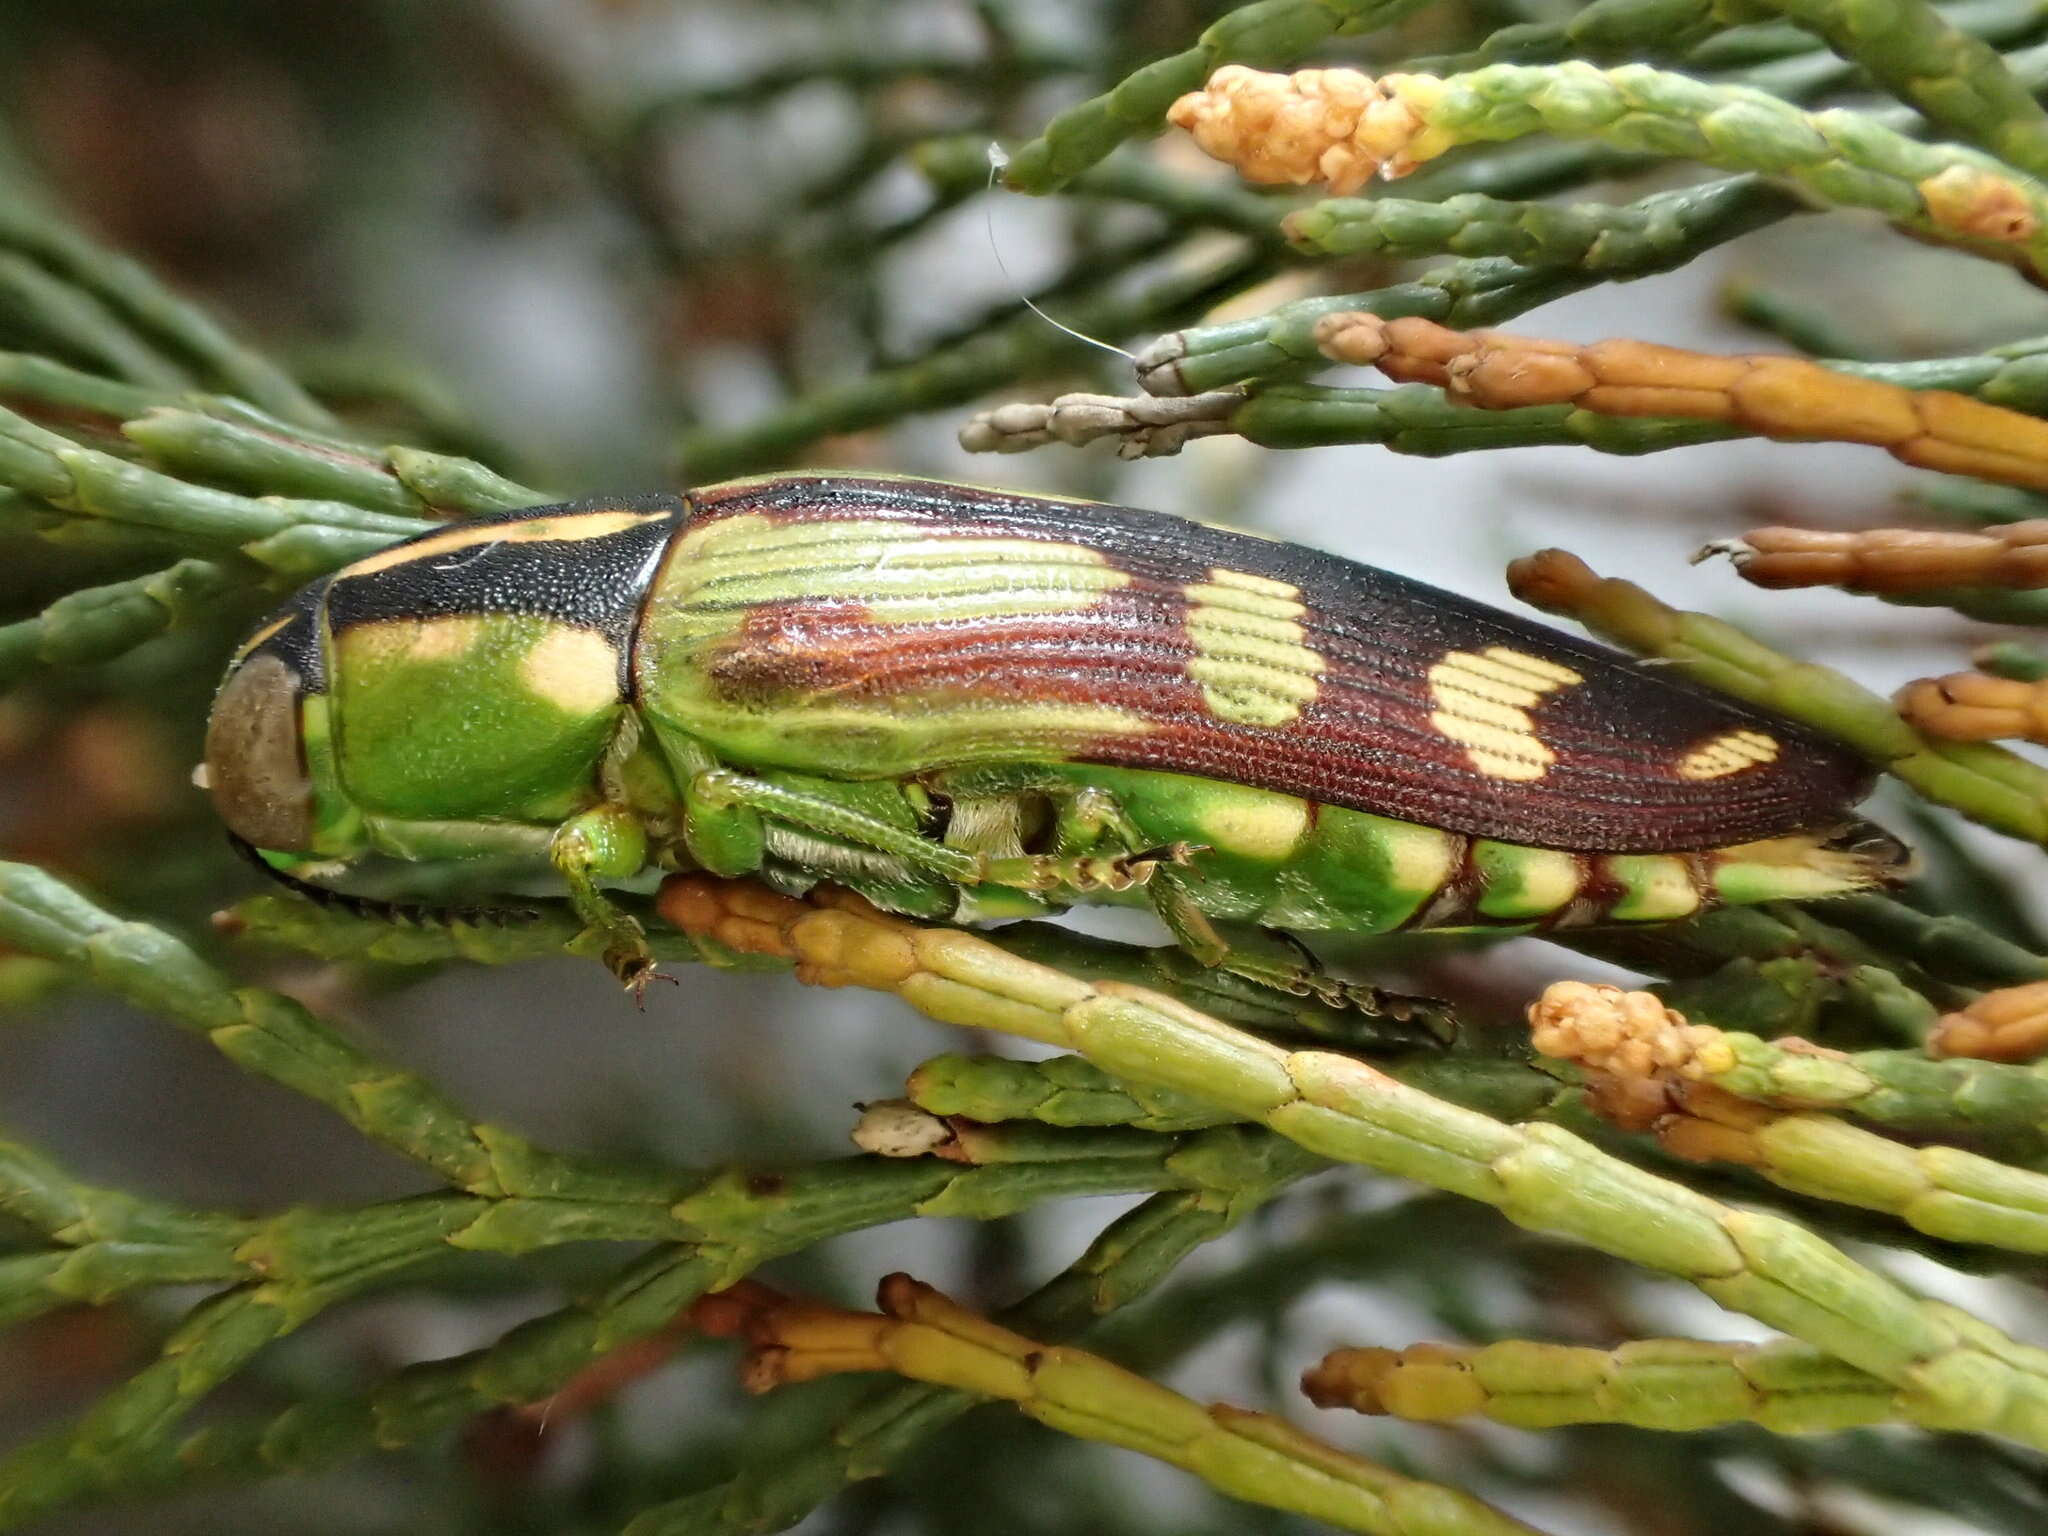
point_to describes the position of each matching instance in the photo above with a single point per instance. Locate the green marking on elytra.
(820, 735)
(796, 696)
(895, 572)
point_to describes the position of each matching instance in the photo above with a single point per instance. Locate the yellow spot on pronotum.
(444, 639)
(1482, 703)
(576, 670)
(407, 641)
(1249, 658)
(563, 527)
(1730, 752)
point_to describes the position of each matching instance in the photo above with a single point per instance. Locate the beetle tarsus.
(637, 972)
(373, 909)
(1177, 855)
(1427, 1013)
(1307, 978)
(1122, 871)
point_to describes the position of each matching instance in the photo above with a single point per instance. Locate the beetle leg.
(1177, 907)
(606, 842)
(1087, 871)
(721, 790)
(611, 768)
(1298, 973)
(1090, 817)
(1085, 817)
(1280, 960)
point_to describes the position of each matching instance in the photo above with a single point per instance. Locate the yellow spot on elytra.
(1255, 825)
(1249, 658)
(1730, 752)
(1482, 703)
(563, 527)
(388, 642)
(261, 635)
(576, 670)
(1282, 592)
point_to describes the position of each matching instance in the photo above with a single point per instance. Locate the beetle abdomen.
(875, 627)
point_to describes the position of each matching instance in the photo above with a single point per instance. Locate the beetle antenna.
(416, 914)
(998, 160)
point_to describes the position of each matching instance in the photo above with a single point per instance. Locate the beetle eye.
(254, 765)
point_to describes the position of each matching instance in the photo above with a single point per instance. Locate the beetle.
(970, 704)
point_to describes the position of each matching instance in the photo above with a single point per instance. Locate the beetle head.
(256, 765)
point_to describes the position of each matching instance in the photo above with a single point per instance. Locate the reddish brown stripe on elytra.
(801, 652)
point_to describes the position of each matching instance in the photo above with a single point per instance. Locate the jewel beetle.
(968, 703)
